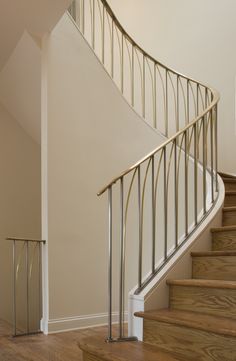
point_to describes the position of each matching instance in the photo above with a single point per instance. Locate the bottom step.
(96, 349)
(190, 335)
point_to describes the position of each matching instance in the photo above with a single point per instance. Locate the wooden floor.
(56, 347)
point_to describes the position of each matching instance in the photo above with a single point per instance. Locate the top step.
(96, 349)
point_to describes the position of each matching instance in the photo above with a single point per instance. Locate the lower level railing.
(27, 285)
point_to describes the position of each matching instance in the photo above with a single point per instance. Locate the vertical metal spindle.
(186, 179)
(122, 260)
(153, 217)
(83, 16)
(155, 96)
(112, 49)
(212, 156)
(14, 286)
(166, 105)
(165, 207)
(204, 120)
(140, 231)
(27, 286)
(176, 196)
(122, 65)
(188, 105)
(40, 280)
(216, 146)
(103, 34)
(132, 76)
(144, 87)
(110, 223)
(177, 105)
(197, 99)
(93, 26)
(195, 174)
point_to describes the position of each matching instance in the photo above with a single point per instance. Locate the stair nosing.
(229, 193)
(214, 254)
(188, 323)
(223, 229)
(90, 346)
(229, 209)
(203, 283)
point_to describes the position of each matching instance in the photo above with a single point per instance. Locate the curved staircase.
(200, 323)
(173, 188)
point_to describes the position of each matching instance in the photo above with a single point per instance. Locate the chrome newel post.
(195, 174)
(165, 206)
(212, 156)
(176, 195)
(110, 265)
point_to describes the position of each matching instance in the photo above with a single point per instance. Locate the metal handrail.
(185, 111)
(25, 255)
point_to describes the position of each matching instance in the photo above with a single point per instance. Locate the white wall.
(93, 135)
(196, 38)
(20, 196)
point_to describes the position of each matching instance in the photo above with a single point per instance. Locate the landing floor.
(56, 347)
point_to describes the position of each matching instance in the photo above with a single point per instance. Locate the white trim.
(44, 179)
(79, 322)
(137, 302)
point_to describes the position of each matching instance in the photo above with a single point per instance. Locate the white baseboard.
(80, 322)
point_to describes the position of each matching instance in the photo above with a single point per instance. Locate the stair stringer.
(156, 293)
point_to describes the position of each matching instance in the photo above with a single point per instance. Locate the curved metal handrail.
(185, 111)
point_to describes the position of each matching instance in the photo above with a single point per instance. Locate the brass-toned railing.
(27, 284)
(159, 201)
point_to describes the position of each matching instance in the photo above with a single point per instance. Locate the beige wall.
(196, 38)
(20, 197)
(93, 134)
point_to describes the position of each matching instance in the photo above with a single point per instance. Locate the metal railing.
(27, 285)
(161, 200)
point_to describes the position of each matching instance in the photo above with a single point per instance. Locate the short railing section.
(156, 204)
(26, 285)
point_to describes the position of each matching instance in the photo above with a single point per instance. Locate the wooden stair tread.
(218, 325)
(230, 193)
(123, 351)
(229, 180)
(223, 229)
(229, 209)
(213, 254)
(226, 175)
(203, 283)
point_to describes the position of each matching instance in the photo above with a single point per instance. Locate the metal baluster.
(144, 85)
(122, 65)
(155, 95)
(216, 146)
(153, 217)
(14, 287)
(176, 196)
(27, 285)
(195, 174)
(110, 221)
(112, 49)
(40, 280)
(204, 162)
(166, 106)
(165, 206)
(177, 106)
(212, 156)
(132, 77)
(103, 34)
(140, 231)
(83, 16)
(122, 259)
(93, 29)
(186, 180)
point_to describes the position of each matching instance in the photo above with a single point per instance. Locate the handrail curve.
(175, 184)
